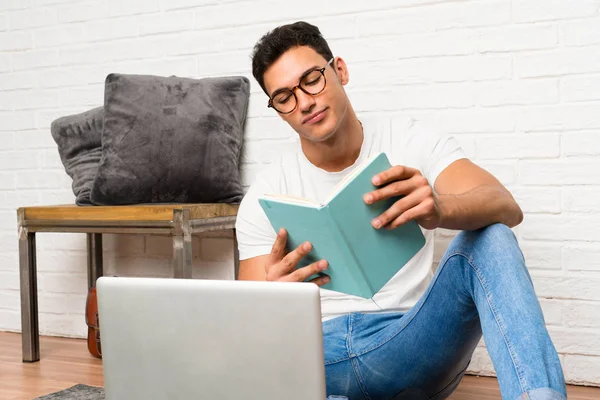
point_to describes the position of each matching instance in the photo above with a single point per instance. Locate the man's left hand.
(418, 202)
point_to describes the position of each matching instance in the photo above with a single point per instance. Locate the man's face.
(317, 117)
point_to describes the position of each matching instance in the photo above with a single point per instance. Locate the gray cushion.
(171, 140)
(79, 145)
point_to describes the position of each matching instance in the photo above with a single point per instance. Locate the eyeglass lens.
(312, 83)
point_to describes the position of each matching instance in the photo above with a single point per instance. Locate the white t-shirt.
(415, 146)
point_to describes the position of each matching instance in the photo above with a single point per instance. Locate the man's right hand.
(282, 267)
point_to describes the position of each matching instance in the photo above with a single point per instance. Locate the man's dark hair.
(276, 42)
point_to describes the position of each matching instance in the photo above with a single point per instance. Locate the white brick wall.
(517, 82)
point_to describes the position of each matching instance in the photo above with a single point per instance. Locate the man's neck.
(339, 151)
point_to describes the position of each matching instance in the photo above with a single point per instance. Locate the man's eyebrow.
(301, 76)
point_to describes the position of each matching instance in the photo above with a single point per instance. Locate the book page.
(290, 200)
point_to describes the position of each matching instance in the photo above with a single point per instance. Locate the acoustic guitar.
(93, 323)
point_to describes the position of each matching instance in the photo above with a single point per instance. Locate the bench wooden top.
(140, 212)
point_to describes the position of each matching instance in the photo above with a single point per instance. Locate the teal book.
(361, 259)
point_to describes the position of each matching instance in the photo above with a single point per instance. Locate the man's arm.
(253, 269)
(470, 198)
(466, 198)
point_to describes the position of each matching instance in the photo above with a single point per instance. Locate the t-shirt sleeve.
(254, 232)
(430, 150)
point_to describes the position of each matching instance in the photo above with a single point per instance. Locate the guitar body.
(93, 323)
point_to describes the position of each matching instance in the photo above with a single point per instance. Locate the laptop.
(208, 339)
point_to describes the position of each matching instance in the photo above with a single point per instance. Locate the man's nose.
(305, 101)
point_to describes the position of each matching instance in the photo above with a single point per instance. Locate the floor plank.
(66, 362)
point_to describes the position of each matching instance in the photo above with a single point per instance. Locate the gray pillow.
(171, 140)
(79, 145)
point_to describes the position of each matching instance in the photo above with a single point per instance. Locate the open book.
(361, 258)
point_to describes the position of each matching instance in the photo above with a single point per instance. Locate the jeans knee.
(492, 251)
(496, 241)
(496, 234)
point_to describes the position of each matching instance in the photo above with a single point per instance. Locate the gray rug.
(77, 392)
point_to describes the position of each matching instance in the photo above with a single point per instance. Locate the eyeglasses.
(312, 82)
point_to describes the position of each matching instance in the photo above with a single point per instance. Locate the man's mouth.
(315, 117)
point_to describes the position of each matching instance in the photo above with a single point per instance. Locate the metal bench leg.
(236, 257)
(182, 244)
(95, 267)
(29, 305)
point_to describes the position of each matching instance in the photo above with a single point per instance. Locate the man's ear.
(341, 70)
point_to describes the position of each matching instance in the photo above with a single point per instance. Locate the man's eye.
(283, 99)
(312, 81)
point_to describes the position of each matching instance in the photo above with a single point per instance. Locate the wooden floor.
(66, 362)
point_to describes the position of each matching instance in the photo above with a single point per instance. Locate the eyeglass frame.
(299, 86)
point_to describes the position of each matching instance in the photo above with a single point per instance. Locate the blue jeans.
(481, 284)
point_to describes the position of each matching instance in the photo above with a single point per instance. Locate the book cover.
(361, 259)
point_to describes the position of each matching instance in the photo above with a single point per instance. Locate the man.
(415, 337)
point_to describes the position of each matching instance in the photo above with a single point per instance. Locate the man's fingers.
(395, 173)
(393, 189)
(423, 213)
(400, 206)
(289, 262)
(278, 249)
(301, 274)
(321, 280)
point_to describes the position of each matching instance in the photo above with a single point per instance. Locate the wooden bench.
(180, 221)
